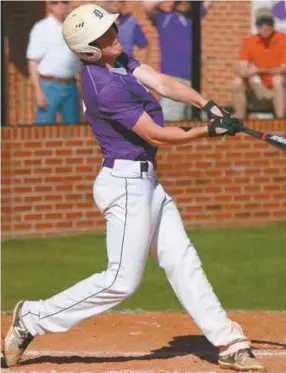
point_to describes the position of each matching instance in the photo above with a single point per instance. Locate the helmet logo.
(79, 25)
(98, 13)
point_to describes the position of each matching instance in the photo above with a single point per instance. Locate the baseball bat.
(278, 141)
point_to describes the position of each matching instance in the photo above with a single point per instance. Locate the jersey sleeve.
(139, 37)
(133, 63)
(36, 47)
(118, 105)
(128, 62)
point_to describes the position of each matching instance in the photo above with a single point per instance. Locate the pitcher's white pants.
(139, 215)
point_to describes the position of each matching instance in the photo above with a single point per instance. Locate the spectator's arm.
(277, 70)
(141, 41)
(245, 68)
(139, 37)
(150, 6)
(204, 7)
(41, 100)
(34, 74)
(35, 52)
(168, 86)
(207, 4)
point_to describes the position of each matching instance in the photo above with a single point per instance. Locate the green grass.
(246, 266)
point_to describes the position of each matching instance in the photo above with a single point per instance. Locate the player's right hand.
(41, 100)
(224, 126)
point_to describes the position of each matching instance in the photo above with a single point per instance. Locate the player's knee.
(237, 85)
(126, 283)
(278, 82)
(180, 259)
(126, 288)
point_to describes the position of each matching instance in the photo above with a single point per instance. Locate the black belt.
(144, 165)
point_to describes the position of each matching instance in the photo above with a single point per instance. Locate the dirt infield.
(148, 343)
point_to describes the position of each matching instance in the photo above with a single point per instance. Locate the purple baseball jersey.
(114, 101)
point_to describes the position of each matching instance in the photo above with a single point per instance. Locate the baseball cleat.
(242, 360)
(17, 339)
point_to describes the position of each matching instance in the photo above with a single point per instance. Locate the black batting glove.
(222, 126)
(211, 106)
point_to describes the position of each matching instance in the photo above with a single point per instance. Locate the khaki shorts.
(176, 111)
(255, 103)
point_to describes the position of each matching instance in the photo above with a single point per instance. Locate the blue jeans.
(62, 98)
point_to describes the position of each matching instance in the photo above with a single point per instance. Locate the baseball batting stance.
(127, 121)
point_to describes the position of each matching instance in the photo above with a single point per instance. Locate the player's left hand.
(221, 122)
(214, 111)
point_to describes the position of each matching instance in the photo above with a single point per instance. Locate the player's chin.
(117, 50)
(114, 51)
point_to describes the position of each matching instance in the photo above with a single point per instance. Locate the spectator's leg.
(48, 115)
(239, 99)
(175, 111)
(279, 100)
(70, 105)
(261, 92)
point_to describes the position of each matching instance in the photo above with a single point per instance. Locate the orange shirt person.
(262, 66)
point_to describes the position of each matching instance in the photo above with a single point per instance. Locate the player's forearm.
(34, 74)
(177, 91)
(176, 135)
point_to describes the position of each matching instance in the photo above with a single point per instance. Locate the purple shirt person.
(173, 21)
(279, 13)
(130, 32)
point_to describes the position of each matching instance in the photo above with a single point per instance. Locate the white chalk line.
(111, 354)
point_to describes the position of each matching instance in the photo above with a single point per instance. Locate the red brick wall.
(47, 176)
(223, 29)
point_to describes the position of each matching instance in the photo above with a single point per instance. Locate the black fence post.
(4, 80)
(196, 53)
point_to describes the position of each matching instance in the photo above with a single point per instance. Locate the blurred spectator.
(52, 68)
(261, 73)
(173, 20)
(279, 13)
(278, 8)
(130, 32)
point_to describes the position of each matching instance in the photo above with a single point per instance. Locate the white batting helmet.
(84, 25)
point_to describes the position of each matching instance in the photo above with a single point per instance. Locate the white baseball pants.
(139, 215)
